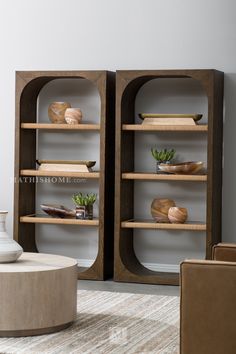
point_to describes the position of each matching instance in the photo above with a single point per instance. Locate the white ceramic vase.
(10, 250)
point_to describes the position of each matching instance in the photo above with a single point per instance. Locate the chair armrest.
(208, 310)
(224, 252)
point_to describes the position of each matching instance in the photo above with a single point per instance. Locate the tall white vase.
(10, 250)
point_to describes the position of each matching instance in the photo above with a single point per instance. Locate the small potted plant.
(84, 205)
(162, 156)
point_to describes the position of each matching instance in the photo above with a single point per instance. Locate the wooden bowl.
(160, 208)
(58, 211)
(195, 117)
(177, 215)
(56, 112)
(73, 115)
(188, 168)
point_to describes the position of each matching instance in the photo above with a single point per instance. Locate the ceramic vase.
(56, 112)
(84, 212)
(10, 250)
(158, 169)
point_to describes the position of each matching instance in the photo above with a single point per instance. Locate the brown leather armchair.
(208, 303)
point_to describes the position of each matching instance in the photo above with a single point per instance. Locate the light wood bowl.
(160, 208)
(188, 168)
(177, 215)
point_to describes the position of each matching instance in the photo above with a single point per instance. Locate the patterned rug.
(110, 323)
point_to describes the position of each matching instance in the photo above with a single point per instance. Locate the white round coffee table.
(38, 294)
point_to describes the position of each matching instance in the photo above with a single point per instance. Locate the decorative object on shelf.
(169, 119)
(66, 166)
(177, 215)
(56, 112)
(84, 205)
(58, 211)
(162, 157)
(10, 250)
(73, 115)
(188, 168)
(160, 208)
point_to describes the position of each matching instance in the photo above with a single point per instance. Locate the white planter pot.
(10, 250)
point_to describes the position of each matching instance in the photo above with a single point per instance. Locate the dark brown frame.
(127, 267)
(28, 86)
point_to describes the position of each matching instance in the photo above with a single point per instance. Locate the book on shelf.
(168, 121)
(56, 167)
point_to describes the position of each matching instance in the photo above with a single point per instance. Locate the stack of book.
(65, 166)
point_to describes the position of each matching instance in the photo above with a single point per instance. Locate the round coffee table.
(38, 294)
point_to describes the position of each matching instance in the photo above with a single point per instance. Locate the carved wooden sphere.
(73, 115)
(177, 215)
(160, 208)
(56, 112)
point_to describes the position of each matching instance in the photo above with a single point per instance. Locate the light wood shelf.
(163, 177)
(165, 128)
(41, 219)
(151, 224)
(37, 173)
(48, 126)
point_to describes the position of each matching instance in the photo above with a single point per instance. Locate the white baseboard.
(162, 267)
(157, 267)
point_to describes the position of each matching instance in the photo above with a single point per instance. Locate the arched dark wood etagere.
(28, 86)
(127, 267)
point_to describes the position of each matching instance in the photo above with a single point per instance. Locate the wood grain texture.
(150, 224)
(128, 82)
(41, 173)
(28, 86)
(48, 126)
(38, 293)
(163, 177)
(163, 128)
(34, 219)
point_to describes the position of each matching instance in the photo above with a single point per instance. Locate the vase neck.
(3, 216)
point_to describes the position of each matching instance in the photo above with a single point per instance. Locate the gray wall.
(133, 34)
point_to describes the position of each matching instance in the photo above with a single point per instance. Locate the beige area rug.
(110, 323)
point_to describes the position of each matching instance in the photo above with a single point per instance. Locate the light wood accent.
(38, 294)
(169, 128)
(162, 177)
(38, 219)
(48, 126)
(59, 174)
(150, 224)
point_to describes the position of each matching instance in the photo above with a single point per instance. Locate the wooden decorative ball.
(160, 208)
(177, 215)
(73, 115)
(56, 112)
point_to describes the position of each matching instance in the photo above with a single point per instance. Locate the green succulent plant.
(84, 199)
(163, 155)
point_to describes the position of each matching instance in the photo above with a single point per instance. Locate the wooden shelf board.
(163, 177)
(167, 128)
(59, 174)
(48, 126)
(151, 224)
(41, 219)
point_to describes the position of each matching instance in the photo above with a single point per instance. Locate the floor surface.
(133, 288)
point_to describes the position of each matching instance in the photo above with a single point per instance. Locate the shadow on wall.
(229, 165)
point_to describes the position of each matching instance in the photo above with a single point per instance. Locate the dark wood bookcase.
(28, 86)
(127, 267)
